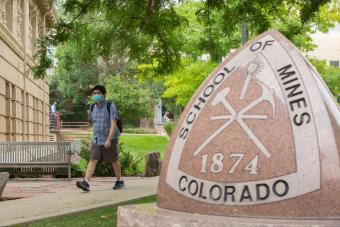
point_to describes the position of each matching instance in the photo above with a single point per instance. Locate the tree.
(220, 30)
(297, 20)
(132, 100)
(145, 30)
(330, 75)
(74, 78)
(71, 84)
(183, 83)
(150, 37)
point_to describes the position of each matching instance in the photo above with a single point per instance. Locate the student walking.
(104, 116)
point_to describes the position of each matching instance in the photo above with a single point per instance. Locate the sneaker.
(119, 184)
(83, 185)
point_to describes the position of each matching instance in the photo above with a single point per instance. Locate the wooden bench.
(36, 157)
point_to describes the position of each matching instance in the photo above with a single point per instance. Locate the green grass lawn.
(141, 144)
(98, 217)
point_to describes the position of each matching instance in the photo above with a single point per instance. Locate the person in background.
(166, 117)
(53, 115)
(54, 108)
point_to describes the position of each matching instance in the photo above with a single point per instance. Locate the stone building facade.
(24, 101)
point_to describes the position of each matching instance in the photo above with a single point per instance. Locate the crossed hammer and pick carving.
(221, 97)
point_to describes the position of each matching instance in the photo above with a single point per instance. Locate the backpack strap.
(91, 110)
(119, 122)
(108, 106)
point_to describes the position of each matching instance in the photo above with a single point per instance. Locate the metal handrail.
(74, 125)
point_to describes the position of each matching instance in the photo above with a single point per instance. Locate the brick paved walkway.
(29, 187)
(47, 198)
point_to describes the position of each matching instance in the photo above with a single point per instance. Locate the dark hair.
(101, 88)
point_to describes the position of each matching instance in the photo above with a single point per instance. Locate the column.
(13, 114)
(41, 24)
(3, 18)
(23, 115)
(18, 28)
(44, 111)
(34, 25)
(11, 19)
(26, 24)
(8, 111)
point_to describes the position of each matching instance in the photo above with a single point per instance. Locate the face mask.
(97, 98)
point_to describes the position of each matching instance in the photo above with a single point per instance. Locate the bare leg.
(117, 168)
(90, 169)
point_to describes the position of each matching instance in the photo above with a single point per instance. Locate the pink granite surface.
(277, 158)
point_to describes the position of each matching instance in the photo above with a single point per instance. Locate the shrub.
(169, 127)
(330, 75)
(79, 169)
(128, 126)
(128, 161)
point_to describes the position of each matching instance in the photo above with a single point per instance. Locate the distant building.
(328, 46)
(24, 101)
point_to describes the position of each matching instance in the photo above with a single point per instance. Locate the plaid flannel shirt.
(101, 122)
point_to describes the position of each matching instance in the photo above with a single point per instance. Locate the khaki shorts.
(100, 153)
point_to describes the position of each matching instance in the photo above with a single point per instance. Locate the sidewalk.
(28, 187)
(59, 197)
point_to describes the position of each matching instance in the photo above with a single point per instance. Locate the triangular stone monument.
(259, 139)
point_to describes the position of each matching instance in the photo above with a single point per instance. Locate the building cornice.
(12, 43)
(49, 10)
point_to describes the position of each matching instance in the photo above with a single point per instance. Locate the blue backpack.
(119, 121)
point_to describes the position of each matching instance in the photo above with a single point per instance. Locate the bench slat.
(32, 163)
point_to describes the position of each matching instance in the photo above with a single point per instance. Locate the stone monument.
(3, 181)
(258, 144)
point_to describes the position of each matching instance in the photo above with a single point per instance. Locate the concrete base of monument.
(149, 215)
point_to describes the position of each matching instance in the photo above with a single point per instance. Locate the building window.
(334, 63)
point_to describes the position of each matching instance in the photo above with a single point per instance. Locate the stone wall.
(24, 100)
